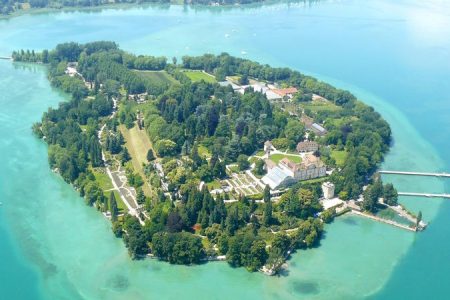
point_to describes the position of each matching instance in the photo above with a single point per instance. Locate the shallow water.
(395, 57)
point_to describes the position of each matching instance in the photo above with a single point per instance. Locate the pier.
(381, 220)
(428, 195)
(430, 174)
(6, 57)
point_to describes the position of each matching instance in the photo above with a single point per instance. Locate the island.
(212, 157)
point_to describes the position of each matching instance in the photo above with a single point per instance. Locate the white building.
(287, 172)
(328, 190)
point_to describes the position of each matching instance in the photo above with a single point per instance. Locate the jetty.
(6, 57)
(427, 195)
(382, 220)
(430, 174)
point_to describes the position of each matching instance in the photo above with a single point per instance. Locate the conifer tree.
(113, 207)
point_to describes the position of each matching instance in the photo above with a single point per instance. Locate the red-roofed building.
(287, 92)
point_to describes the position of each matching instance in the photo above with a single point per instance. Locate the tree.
(165, 147)
(267, 215)
(258, 255)
(178, 248)
(243, 80)
(259, 167)
(243, 162)
(370, 200)
(113, 207)
(377, 189)
(150, 155)
(232, 221)
(278, 251)
(174, 222)
(390, 195)
(125, 155)
(140, 197)
(294, 132)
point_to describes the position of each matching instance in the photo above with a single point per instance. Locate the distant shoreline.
(37, 11)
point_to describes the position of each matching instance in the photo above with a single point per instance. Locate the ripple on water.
(305, 287)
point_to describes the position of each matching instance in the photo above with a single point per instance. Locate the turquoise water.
(395, 57)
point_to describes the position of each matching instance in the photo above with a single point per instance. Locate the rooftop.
(286, 91)
(275, 177)
(318, 127)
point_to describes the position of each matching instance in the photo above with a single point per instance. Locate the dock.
(381, 220)
(6, 57)
(427, 195)
(429, 174)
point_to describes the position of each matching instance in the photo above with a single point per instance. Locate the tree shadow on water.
(305, 287)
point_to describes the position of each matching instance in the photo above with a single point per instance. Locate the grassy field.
(260, 153)
(339, 157)
(316, 106)
(105, 183)
(120, 205)
(198, 76)
(277, 157)
(213, 185)
(138, 144)
(157, 76)
(315, 180)
(103, 180)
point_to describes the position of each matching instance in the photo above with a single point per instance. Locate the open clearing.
(103, 180)
(138, 144)
(277, 157)
(199, 76)
(159, 77)
(317, 106)
(339, 157)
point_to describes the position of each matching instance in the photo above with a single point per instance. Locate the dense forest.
(10, 6)
(185, 119)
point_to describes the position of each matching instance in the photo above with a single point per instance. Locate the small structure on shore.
(268, 147)
(328, 190)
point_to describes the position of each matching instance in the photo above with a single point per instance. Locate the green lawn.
(260, 153)
(234, 169)
(277, 157)
(213, 185)
(321, 106)
(138, 144)
(199, 76)
(315, 180)
(158, 77)
(339, 157)
(103, 180)
(120, 205)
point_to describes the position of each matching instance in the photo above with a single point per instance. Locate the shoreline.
(126, 6)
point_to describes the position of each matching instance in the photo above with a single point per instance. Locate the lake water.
(395, 57)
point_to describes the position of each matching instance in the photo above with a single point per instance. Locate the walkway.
(119, 179)
(383, 220)
(428, 195)
(416, 173)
